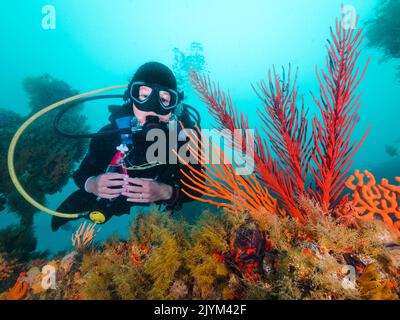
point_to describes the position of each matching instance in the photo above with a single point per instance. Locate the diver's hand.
(147, 190)
(101, 185)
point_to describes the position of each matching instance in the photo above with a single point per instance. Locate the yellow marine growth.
(163, 264)
(226, 256)
(325, 259)
(375, 200)
(210, 238)
(109, 274)
(163, 242)
(375, 286)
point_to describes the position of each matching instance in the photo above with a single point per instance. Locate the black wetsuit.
(101, 151)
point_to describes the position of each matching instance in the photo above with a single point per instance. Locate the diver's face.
(142, 115)
(144, 93)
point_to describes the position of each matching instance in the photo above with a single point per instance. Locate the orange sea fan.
(19, 290)
(374, 200)
(84, 236)
(223, 187)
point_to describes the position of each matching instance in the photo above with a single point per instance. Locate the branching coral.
(383, 29)
(18, 241)
(222, 182)
(339, 105)
(83, 238)
(329, 148)
(286, 126)
(374, 200)
(43, 160)
(268, 169)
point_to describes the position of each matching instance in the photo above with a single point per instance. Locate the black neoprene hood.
(155, 72)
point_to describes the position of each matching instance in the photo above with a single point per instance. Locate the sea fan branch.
(338, 106)
(268, 170)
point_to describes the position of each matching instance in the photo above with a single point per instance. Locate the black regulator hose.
(193, 113)
(75, 103)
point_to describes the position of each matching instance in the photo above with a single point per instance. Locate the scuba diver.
(115, 174)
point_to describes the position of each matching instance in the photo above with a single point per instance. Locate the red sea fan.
(327, 153)
(286, 126)
(268, 169)
(339, 105)
(219, 104)
(223, 187)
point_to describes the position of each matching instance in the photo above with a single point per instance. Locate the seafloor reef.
(223, 256)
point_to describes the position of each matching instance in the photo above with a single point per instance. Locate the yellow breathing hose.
(11, 150)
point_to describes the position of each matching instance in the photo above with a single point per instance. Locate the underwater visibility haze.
(313, 84)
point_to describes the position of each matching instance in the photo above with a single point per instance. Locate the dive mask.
(154, 97)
